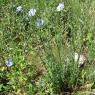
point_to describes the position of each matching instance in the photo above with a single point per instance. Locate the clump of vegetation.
(47, 47)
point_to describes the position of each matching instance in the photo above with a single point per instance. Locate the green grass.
(43, 57)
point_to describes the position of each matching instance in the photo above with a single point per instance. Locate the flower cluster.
(32, 12)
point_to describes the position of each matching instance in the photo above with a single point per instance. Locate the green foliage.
(43, 57)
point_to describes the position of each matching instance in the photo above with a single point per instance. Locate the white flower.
(9, 62)
(39, 22)
(80, 58)
(32, 12)
(60, 7)
(19, 9)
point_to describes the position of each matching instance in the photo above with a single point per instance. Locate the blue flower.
(60, 7)
(39, 22)
(32, 12)
(9, 62)
(19, 9)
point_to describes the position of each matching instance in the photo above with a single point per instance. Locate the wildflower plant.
(44, 47)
